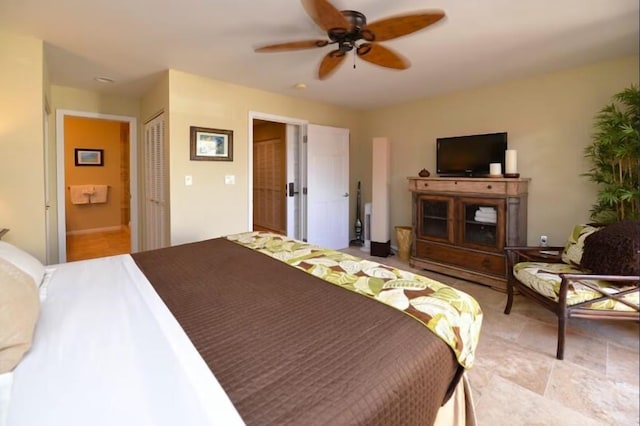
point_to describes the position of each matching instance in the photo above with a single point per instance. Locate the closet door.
(268, 185)
(155, 224)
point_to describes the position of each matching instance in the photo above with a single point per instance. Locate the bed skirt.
(460, 409)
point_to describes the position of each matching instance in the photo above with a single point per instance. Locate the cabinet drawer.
(487, 263)
(460, 186)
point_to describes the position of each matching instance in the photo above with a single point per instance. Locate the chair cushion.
(573, 249)
(613, 250)
(544, 279)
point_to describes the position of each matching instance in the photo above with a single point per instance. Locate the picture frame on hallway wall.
(89, 157)
(210, 144)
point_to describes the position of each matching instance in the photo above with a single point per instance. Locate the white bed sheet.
(107, 351)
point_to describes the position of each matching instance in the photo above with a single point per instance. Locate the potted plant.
(614, 155)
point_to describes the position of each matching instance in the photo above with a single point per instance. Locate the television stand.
(461, 225)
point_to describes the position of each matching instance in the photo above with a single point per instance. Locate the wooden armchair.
(554, 278)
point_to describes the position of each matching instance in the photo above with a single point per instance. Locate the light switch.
(230, 180)
(188, 180)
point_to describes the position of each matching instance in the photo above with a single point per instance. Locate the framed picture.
(89, 157)
(211, 144)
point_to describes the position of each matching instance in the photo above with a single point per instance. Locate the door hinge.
(304, 139)
(304, 191)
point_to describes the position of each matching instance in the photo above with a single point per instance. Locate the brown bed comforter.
(289, 348)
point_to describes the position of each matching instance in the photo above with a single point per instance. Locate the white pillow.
(48, 274)
(23, 261)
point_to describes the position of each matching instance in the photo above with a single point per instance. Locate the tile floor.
(516, 379)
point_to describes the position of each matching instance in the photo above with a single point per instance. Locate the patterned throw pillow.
(572, 253)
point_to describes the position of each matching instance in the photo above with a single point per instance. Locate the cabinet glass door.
(435, 218)
(481, 223)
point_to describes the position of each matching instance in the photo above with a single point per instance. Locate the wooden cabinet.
(461, 225)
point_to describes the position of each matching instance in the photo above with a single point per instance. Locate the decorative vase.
(424, 173)
(404, 235)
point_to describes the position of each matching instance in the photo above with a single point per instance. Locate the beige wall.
(89, 101)
(89, 133)
(21, 142)
(156, 100)
(549, 119)
(209, 208)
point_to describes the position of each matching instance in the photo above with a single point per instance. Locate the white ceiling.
(478, 42)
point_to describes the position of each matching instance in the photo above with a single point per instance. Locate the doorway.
(309, 199)
(101, 219)
(275, 169)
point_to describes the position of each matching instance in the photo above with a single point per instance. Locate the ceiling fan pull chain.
(354, 58)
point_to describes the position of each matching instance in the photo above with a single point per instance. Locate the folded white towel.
(487, 214)
(492, 221)
(487, 218)
(79, 194)
(487, 209)
(99, 194)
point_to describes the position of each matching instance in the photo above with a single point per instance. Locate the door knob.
(346, 194)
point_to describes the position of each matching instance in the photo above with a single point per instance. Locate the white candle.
(495, 169)
(511, 161)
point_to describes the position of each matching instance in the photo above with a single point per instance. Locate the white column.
(381, 169)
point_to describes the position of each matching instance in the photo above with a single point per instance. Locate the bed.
(253, 328)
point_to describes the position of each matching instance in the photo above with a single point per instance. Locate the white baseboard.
(95, 230)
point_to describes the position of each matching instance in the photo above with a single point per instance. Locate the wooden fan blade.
(325, 14)
(293, 45)
(383, 56)
(330, 63)
(397, 26)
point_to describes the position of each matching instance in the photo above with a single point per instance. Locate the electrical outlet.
(543, 241)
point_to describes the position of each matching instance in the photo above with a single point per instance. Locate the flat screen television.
(470, 155)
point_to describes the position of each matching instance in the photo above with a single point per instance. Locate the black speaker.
(380, 249)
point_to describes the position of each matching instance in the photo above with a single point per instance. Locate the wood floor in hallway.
(98, 244)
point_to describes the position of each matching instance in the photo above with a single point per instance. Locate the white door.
(155, 235)
(327, 186)
(49, 222)
(294, 184)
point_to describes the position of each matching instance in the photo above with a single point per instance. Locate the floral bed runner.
(452, 315)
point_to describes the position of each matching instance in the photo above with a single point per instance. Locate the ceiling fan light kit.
(348, 29)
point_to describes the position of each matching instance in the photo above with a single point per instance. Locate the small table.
(538, 254)
(3, 231)
(550, 255)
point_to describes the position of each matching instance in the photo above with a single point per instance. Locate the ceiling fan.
(349, 31)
